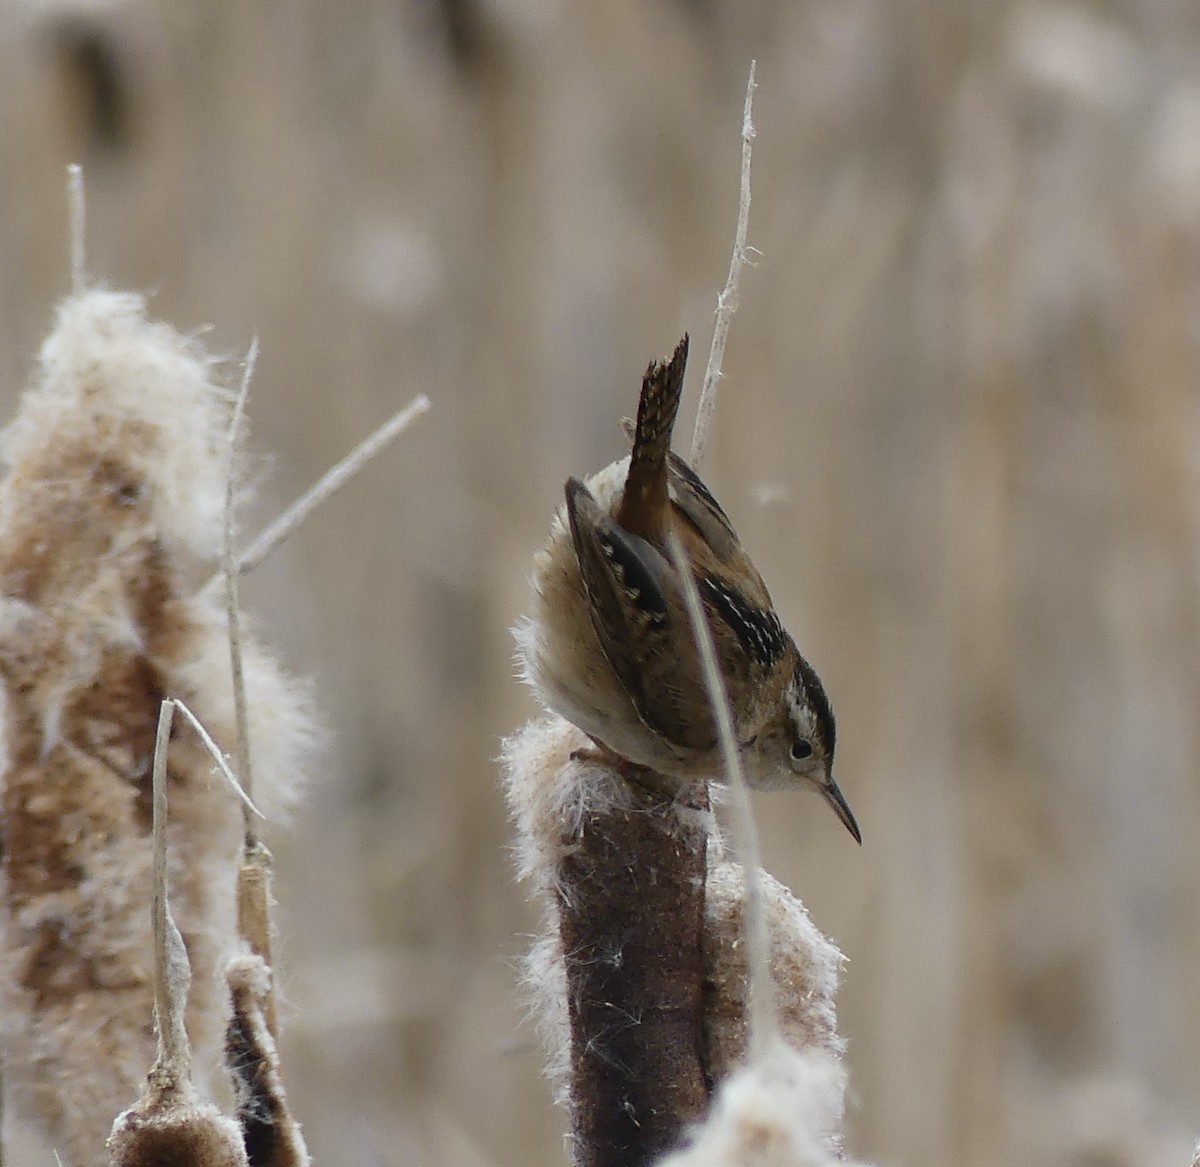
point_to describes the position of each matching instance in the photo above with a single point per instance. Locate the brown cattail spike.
(271, 1134)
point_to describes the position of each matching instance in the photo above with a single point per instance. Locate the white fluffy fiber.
(109, 377)
(108, 372)
(550, 793)
(805, 968)
(283, 724)
(783, 1111)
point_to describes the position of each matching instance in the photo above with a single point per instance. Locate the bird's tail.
(644, 502)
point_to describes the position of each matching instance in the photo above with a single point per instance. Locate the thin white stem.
(763, 1020)
(233, 611)
(333, 479)
(172, 975)
(78, 221)
(218, 757)
(727, 301)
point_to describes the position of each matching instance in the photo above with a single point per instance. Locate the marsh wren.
(609, 645)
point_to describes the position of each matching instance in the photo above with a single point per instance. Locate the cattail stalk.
(272, 1136)
(631, 904)
(621, 867)
(254, 871)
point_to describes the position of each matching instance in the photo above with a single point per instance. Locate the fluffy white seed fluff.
(805, 967)
(550, 793)
(283, 723)
(784, 1111)
(106, 368)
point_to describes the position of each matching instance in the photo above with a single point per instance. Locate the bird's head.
(795, 748)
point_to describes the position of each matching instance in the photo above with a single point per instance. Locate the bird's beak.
(841, 808)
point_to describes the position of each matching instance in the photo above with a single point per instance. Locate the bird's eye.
(801, 749)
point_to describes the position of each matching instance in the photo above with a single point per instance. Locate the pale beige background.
(959, 434)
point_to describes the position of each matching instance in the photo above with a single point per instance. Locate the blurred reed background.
(958, 433)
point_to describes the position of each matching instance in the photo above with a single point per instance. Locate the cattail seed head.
(110, 512)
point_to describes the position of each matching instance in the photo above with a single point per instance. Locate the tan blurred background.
(958, 433)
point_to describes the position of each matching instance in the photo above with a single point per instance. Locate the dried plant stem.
(254, 873)
(333, 479)
(172, 975)
(727, 301)
(169, 1123)
(220, 759)
(254, 914)
(232, 607)
(78, 220)
(762, 1009)
(630, 911)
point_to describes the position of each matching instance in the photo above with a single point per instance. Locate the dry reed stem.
(254, 898)
(219, 758)
(169, 1124)
(763, 1020)
(271, 1136)
(727, 301)
(77, 209)
(232, 607)
(776, 1105)
(328, 484)
(172, 973)
(254, 902)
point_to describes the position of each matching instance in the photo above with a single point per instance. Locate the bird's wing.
(713, 546)
(691, 496)
(635, 611)
(757, 630)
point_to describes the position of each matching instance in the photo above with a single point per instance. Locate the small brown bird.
(609, 645)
